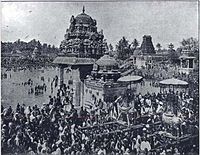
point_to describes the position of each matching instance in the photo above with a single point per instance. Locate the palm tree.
(184, 42)
(172, 54)
(158, 46)
(190, 44)
(123, 49)
(171, 46)
(110, 47)
(135, 43)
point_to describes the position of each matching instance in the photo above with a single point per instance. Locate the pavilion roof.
(64, 60)
(106, 60)
(130, 78)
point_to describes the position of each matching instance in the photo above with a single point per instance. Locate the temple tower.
(82, 45)
(147, 45)
(82, 38)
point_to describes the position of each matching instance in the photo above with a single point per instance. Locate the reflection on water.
(14, 91)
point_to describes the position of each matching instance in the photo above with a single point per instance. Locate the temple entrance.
(80, 68)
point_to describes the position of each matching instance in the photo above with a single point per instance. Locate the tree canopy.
(158, 46)
(135, 43)
(190, 44)
(123, 49)
(8, 47)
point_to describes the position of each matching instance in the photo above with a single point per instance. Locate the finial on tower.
(83, 9)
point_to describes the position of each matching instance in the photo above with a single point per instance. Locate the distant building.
(82, 38)
(147, 45)
(141, 61)
(187, 63)
(146, 56)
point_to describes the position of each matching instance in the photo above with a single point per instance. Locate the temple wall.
(72, 79)
(101, 92)
(90, 93)
(76, 86)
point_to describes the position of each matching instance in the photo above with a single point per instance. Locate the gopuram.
(147, 45)
(144, 56)
(82, 38)
(82, 45)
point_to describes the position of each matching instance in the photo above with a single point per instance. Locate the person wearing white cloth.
(160, 107)
(145, 145)
(57, 152)
(101, 152)
(138, 142)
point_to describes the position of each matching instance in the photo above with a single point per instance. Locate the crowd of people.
(35, 88)
(58, 127)
(38, 89)
(161, 71)
(141, 124)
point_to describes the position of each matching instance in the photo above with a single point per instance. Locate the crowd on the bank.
(54, 129)
(160, 72)
(35, 88)
(157, 72)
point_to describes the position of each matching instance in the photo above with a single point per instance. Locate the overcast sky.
(166, 22)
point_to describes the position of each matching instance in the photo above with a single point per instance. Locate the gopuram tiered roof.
(82, 38)
(147, 45)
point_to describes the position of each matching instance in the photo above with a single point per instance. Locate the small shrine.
(145, 55)
(186, 63)
(142, 61)
(102, 85)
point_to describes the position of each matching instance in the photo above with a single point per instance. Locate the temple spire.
(83, 9)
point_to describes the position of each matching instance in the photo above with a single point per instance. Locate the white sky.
(166, 22)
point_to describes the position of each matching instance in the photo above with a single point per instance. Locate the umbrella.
(174, 82)
(130, 79)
